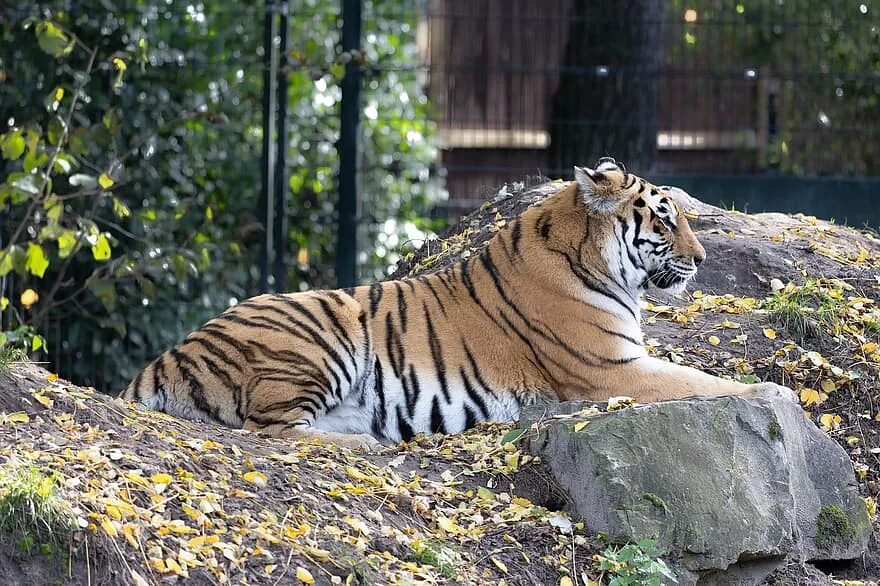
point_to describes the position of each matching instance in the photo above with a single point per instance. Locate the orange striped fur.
(548, 311)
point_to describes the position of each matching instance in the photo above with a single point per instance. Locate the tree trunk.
(607, 97)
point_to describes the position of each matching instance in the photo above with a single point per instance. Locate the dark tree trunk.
(607, 97)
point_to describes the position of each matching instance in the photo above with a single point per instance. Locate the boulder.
(730, 487)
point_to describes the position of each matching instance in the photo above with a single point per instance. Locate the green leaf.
(120, 209)
(66, 242)
(64, 163)
(112, 120)
(11, 145)
(512, 436)
(36, 262)
(3, 338)
(104, 290)
(32, 160)
(52, 39)
(4, 303)
(37, 342)
(5, 263)
(101, 249)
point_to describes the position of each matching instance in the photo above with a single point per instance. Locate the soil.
(152, 499)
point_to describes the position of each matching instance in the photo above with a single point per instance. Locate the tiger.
(549, 310)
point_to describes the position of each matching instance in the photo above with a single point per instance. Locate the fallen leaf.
(769, 333)
(304, 576)
(499, 564)
(256, 477)
(714, 340)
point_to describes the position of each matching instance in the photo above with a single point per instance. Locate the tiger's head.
(652, 242)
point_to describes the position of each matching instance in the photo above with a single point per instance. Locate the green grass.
(31, 511)
(437, 554)
(9, 355)
(806, 310)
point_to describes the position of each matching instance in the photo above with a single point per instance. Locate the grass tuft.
(31, 511)
(806, 311)
(10, 355)
(437, 554)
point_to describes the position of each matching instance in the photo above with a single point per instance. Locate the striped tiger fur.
(549, 310)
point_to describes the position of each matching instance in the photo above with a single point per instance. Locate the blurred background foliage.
(130, 168)
(822, 60)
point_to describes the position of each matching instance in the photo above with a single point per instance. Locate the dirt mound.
(131, 497)
(92, 491)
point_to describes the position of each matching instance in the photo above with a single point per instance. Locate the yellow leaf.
(256, 477)
(448, 525)
(499, 564)
(108, 527)
(871, 505)
(270, 568)
(29, 297)
(101, 250)
(136, 478)
(304, 576)
(829, 421)
(565, 581)
(810, 396)
(828, 386)
(161, 481)
(769, 333)
(173, 566)
(44, 401)
(580, 425)
(59, 94)
(714, 340)
(51, 378)
(17, 417)
(119, 64)
(105, 181)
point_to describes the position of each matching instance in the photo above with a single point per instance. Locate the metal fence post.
(267, 167)
(280, 219)
(346, 249)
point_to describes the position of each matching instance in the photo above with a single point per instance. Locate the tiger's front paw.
(363, 442)
(770, 390)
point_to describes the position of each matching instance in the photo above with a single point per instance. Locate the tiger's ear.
(601, 197)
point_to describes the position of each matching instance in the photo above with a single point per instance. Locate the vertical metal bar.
(280, 219)
(346, 249)
(267, 191)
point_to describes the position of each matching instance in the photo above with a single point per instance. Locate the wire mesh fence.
(682, 87)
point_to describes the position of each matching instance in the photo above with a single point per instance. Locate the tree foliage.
(130, 167)
(819, 59)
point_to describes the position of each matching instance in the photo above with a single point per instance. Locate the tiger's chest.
(397, 406)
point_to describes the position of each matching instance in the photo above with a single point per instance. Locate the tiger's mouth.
(672, 276)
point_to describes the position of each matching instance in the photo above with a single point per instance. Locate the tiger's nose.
(698, 259)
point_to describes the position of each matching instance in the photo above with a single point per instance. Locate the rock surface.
(731, 487)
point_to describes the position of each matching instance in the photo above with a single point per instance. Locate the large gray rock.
(731, 487)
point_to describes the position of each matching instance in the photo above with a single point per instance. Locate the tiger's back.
(549, 310)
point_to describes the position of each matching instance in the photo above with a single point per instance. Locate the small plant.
(31, 510)
(832, 527)
(10, 355)
(635, 564)
(808, 309)
(437, 554)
